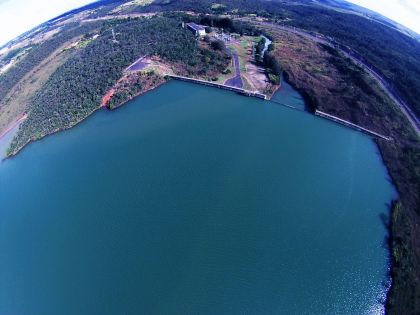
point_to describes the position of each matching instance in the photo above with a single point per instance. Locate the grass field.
(17, 100)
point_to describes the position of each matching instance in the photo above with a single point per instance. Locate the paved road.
(406, 110)
(137, 65)
(236, 81)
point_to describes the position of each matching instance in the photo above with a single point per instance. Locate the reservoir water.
(288, 96)
(5, 141)
(194, 200)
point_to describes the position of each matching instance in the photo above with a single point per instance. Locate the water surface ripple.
(193, 200)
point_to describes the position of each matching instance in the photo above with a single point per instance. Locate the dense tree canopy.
(76, 88)
(39, 52)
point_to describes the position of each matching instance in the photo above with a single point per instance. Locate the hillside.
(76, 88)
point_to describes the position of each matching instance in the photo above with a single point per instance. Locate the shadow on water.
(287, 96)
(6, 140)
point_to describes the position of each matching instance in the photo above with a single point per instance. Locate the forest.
(76, 88)
(394, 55)
(39, 52)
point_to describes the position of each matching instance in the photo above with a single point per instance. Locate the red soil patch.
(107, 97)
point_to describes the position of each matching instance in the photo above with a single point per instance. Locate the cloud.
(405, 12)
(19, 16)
(411, 5)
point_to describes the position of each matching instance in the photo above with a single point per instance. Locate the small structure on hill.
(198, 30)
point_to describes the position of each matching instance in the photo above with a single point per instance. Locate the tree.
(218, 45)
(270, 62)
(258, 49)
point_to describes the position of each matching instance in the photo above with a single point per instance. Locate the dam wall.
(220, 86)
(351, 125)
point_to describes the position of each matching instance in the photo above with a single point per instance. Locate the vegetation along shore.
(104, 56)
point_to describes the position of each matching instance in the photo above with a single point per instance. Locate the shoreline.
(49, 134)
(13, 125)
(104, 105)
(392, 241)
(390, 259)
(134, 96)
(101, 106)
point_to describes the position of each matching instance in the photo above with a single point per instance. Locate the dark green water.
(5, 141)
(192, 200)
(288, 96)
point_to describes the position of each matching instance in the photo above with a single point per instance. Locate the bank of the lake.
(7, 137)
(287, 96)
(195, 200)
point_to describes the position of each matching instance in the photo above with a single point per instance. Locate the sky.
(405, 12)
(19, 16)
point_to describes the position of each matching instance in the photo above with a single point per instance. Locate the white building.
(198, 30)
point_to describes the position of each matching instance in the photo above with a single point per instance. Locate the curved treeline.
(39, 53)
(77, 87)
